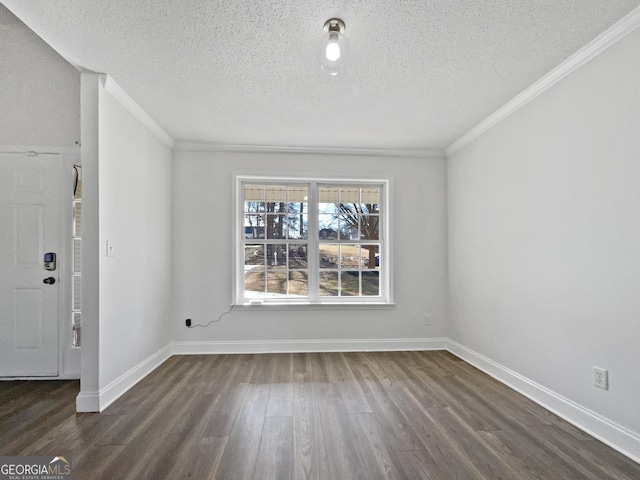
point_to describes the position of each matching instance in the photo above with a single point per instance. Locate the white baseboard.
(617, 437)
(98, 401)
(302, 346)
(87, 402)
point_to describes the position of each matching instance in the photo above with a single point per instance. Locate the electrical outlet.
(601, 378)
(427, 320)
(188, 322)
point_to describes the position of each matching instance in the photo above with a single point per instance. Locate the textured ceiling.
(246, 72)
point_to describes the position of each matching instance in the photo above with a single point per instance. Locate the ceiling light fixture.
(333, 47)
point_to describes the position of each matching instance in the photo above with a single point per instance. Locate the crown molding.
(434, 154)
(136, 110)
(603, 41)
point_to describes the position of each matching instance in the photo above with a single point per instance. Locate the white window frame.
(314, 299)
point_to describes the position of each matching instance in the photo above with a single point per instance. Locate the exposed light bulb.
(333, 47)
(332, 51)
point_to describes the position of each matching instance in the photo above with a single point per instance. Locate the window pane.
(370, 227)
(350, 285)
(254, 193)
(328, 284)
(298, 193)
(331, 208)
(328, 227)
(276, 198)
(328, 256)
(349, 228)
(253, 207)
(77, 255)
(77, 293)
(350, 218)
(349, 256)
(328, 195)
(254, 282)
(297, 226)
(254, 198)
(276, 207)
(254, 269)
(298, 257)
(254, 226)
(276, 193)
(277, 282)
(77, 219)
(76, 327)
(370, 255)
(299, 283)
(370, 200)
(77, 183)
(253, 232)
(276, 226)
(370, 283)
(298, 198)
(328, 200)
(253, 255)
(370, 208)
(350, 195)
(276, 256)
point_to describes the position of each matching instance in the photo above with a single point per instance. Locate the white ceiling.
(246, 72)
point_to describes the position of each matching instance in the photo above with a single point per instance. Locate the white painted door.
(29, 228)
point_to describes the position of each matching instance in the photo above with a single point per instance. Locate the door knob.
(49, 280)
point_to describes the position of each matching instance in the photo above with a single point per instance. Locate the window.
(76, 259)
(321, 242)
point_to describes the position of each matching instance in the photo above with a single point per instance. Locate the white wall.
(89, 368)
(544, 237)
(39, 90)
(135, 216)
(202, 249)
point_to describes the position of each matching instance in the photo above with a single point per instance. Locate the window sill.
(314, 306)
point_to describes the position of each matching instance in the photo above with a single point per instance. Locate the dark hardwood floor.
(325, 416)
